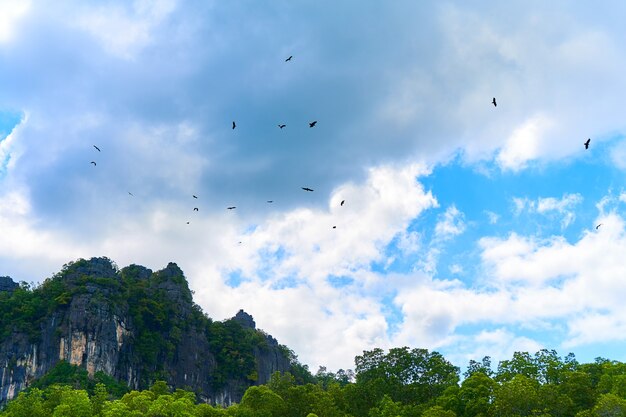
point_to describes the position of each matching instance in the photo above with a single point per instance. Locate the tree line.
(401, 382)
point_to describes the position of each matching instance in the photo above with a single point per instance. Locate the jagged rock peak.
(137, 272)
(7, 284)
(245, 319)
(172, 280)
(100, 267)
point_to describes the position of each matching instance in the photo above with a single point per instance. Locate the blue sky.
(466, 228)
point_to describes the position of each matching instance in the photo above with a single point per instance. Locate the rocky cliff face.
(137, 326)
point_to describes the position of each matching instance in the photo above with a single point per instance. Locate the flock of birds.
(311, 125)
(234, 126)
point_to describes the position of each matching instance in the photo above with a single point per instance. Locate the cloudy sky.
(467, 228)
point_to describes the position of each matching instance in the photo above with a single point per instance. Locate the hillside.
(135, 325)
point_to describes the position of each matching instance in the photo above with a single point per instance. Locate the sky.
(467, 228)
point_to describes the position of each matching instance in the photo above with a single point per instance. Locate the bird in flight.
(234, 125)
(494, 102)
(97, 148)
(131, 194)
(587, 143)
(270, 201)
(281, 126)
(187, 222)
(94, 164)
(306, 189)
(342, 201)
(313, 123)
(231, 208)
(195, 209)
(598, 226)
(289, 59)
(334, 227)
(194, 196)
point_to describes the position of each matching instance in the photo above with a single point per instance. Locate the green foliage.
(65, 373)
(400, 383)
(263, 402)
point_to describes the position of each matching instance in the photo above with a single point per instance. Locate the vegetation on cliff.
(162, 324)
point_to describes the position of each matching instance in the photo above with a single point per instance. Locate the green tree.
(516, 397)
(74, 403)
(476, 394)
(98, 398)
(521, 364)
(168, 405)
(28, 404)
(578, 386)
(438, 411)
(610, 405)
(386, 408)
(264, 402)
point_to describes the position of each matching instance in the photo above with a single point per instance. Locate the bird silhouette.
(131, 194)
(494, 102)
(97, 148)
(334, 227)
(231, 208)
(342, 201)
(306, 189)
(187, 222)
(270, 201)
(598, 226)
(195, 209)
(94, 164)
(234, 125)
(313, 123)
(289, 59)
(587, 143)
(281, 126)
(194, 196)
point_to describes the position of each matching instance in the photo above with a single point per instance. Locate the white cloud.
(124, 31)
(11, 12)
(493, 217)
(450, 224)
(618, 154)
(8, 152)
(524, 143)
(456, 269)
(548, 206)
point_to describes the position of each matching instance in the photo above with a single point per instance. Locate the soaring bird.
(306, 189)
(313, 123)
(97, 148)
(194, 196)
(494, 102)
(270, 201)
(281, 126)
(342, 201)
(598, 226)
(94, 164)
(130, 194)
(289, 59)
(234, 125)
(334, 227)
(187, 222)
(587, 143)
(231, 208)
(195, 209)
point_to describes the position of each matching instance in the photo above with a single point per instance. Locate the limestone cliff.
(135, 325)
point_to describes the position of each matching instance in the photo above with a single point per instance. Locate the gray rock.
(7, 284)
(99, 335)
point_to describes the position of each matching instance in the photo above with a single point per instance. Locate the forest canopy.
(401, 382)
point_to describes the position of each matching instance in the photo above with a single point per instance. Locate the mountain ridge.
(135, 325)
